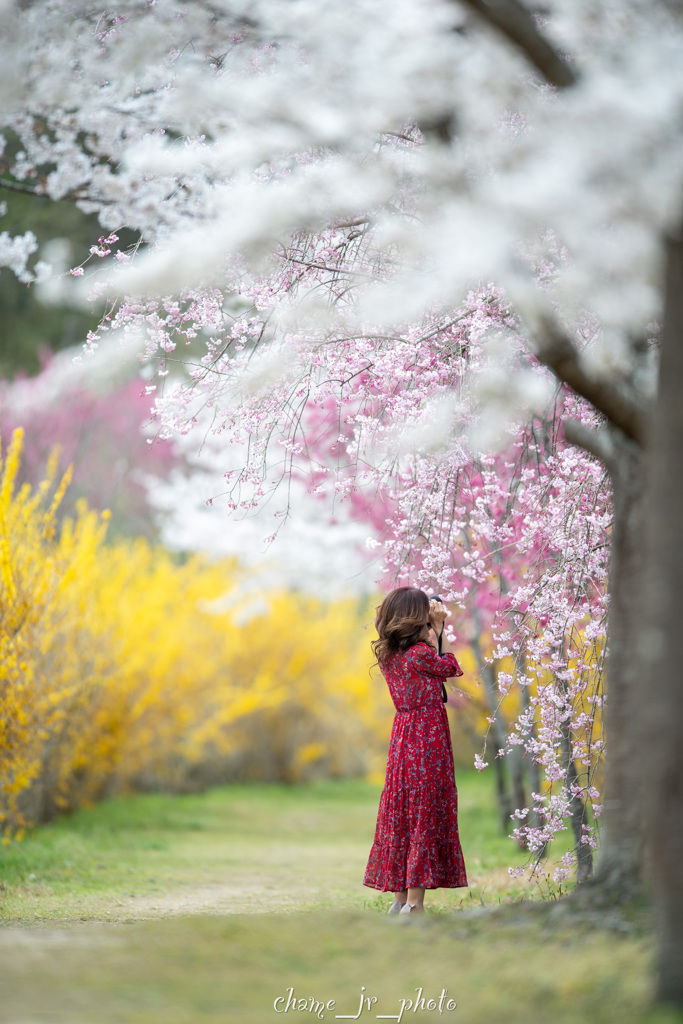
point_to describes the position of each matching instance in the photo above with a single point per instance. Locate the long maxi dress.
(416, 839)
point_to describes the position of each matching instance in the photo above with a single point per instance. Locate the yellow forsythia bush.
(119, 670)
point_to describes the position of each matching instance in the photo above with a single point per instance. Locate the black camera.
(435, 597)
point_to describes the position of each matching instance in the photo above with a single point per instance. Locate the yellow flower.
(116, 673)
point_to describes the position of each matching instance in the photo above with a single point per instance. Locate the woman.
(416, 843)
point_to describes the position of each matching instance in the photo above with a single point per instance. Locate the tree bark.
(498, 726)
(516, 763)
(661, 751)
(516, 23)
(621, 849)
(534, 770)
(584, 855)
(505, 801)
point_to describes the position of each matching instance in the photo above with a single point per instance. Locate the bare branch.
(358, 222)
(594, 440)
(515, 22)
(15, 186)
(556, 351)
(70, 197)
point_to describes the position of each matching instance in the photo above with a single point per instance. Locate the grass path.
(176, 910)
(241, 849)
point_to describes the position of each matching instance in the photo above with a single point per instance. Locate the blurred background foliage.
(31, 329)
(122, 668)
(99, 429)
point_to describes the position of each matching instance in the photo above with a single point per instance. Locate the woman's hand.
(437, 616)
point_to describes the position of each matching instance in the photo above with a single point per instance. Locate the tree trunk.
(505, 804)
(577, 807)
(534, 769)
(661, 753)
(516, 762)
(498, 726)
(619, 863)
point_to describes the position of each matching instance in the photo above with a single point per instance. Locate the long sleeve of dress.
(426, 661)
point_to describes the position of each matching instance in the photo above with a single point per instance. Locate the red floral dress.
(416, 839)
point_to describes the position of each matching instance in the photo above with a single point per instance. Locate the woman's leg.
(399, 901)
(416, 897)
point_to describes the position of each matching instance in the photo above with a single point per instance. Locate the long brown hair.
(400, 622)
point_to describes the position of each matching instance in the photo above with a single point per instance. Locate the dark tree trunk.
(516, 762)
(661, 752)
(534, 769)
(498, 726)
(505, 804)
(619, 863)
(577, 807)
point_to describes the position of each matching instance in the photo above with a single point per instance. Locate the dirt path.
(259, 879)
(250, 893)
(237, 850)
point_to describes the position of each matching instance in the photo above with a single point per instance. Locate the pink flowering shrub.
(100, 434)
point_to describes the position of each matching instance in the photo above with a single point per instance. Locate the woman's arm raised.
(437, 617)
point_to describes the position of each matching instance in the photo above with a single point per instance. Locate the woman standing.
(416, 845)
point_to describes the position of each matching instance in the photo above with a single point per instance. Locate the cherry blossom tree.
(323, 194)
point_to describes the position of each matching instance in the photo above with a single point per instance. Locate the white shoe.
(395, 907)
(412, 908)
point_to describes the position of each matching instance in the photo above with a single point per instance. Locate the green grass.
(165, 910)
(215, 969)
(263, 847)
